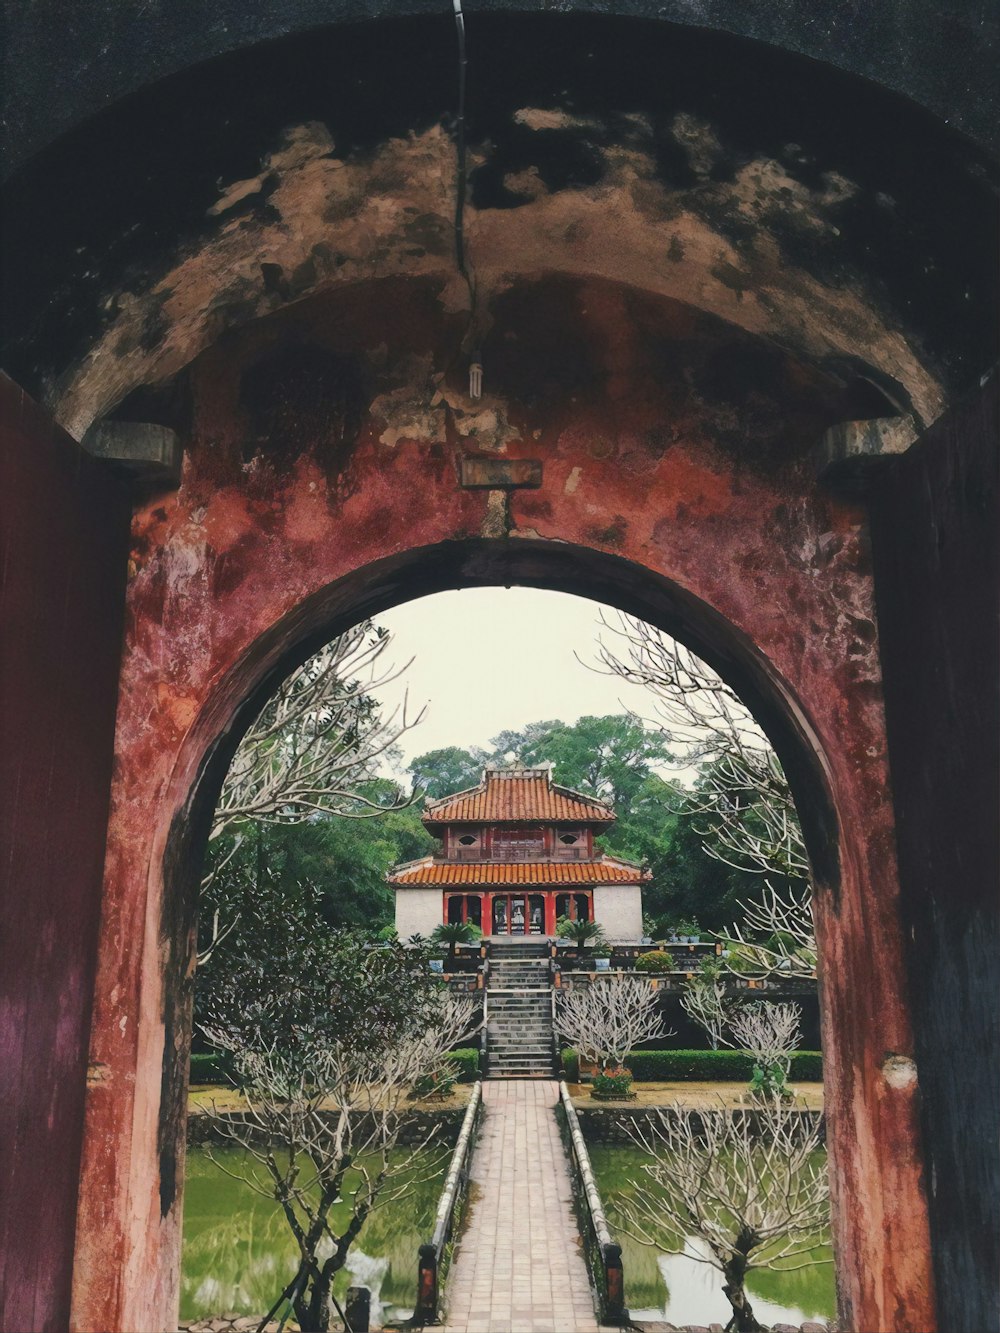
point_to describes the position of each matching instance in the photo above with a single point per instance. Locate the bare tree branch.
(311, 751)
(704, 999)
(742, 795)
(607, 1019)
(749, 1184)
(318, 739)
(323, 1112)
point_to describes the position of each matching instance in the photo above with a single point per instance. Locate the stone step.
(523, 1029)
(521, 1071)
(541, 1060)
(516, 1012)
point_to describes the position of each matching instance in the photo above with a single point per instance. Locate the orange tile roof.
(499, 800)
(543, 873)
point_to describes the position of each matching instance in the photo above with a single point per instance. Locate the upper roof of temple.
(518, 796)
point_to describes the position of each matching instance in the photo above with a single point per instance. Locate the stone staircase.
(519, 1012)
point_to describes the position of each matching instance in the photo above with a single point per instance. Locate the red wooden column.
(65, 524)
(550, 912)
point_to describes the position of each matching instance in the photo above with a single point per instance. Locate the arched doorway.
(689, 279)
(855, 888)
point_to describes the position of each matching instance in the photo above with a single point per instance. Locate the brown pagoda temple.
(517, 854)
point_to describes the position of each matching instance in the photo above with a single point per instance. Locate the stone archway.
(301, 511)
(698, 256)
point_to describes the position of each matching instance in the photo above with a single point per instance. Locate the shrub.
(715, 1066)
(438, 1083)
(466, 1062)
(657, 960)
(210, 1067)
(571, 1065)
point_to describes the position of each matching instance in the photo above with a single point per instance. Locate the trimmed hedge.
(704, 1066)
(466, 1061)
(209, 1067)
(714, 1066)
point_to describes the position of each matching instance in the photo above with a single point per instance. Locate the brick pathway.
(520, 1266)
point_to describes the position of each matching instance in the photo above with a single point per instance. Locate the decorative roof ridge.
(624, 862)
(410, 865)
(582, 796)
(453, 796)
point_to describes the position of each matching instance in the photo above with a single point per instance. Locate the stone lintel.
(500, 474)
(851, 451)
(141, 449)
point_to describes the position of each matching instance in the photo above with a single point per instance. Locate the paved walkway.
(520, 1266)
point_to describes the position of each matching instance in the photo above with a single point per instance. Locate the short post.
(614, 1282)
(357, 1309)
(427, 1285)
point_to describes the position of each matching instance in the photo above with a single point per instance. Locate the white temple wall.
(418, 911)
(618, 908)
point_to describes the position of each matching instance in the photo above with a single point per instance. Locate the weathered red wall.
(62, 589)
(936, 523)
(301, 511)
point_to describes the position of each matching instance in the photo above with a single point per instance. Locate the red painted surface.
(939, 614)
(65, 542)
(644, 502)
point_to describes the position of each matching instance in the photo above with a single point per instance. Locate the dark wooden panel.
(64, 524)
(937, 566)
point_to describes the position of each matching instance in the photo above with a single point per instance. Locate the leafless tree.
(318, 739)
(321, 1121)
(312, 750)
(785, 921)
(608, 1018)
(770, 1032)
(748, 1185)
(705, 1000)
(742, 795)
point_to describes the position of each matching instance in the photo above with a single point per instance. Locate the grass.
(202, 1098)
(807, 1095)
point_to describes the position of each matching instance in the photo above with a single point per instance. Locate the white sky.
(491, 658)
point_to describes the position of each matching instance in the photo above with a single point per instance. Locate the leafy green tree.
(440, 772)
(611, 757)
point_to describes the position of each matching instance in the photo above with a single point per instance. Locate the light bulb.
(476, 376)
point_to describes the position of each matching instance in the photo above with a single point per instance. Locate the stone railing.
(431, 1255)
(605, 1251)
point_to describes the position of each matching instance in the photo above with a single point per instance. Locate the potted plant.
(613, 1084)
(586, 935)
(454, 933)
